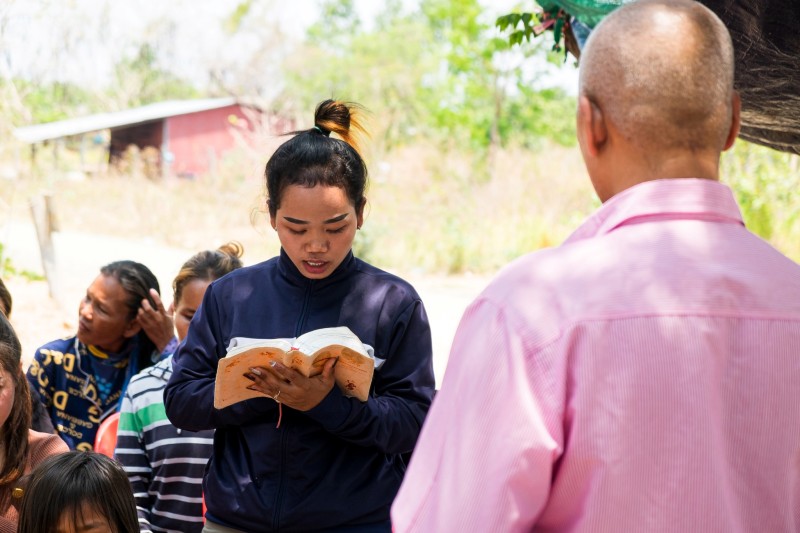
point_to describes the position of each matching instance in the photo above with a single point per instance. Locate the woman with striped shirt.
(164, 464)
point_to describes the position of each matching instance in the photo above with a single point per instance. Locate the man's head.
(656, 95)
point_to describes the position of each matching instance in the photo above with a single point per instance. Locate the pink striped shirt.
(644, 376)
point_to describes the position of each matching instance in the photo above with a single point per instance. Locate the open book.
(307, 354)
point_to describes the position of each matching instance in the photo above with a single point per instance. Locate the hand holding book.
(288, 386)
(307, 354)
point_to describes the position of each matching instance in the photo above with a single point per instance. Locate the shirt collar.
(677, 198)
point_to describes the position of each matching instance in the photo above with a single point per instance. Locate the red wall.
(193, 138)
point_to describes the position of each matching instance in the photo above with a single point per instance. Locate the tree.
(139, 81)
(440, 71)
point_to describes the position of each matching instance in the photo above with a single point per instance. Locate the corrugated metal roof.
(128, 117)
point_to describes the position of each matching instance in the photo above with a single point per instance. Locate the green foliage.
(765, 182)
(440, 73)
(512, 20)
(7, 268)
(140, 81)
(234, 20)
(53, 101)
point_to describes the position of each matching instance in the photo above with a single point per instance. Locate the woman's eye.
(337, 230)
(188, 316)
(296, 231)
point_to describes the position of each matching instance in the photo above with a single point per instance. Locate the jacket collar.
(679, 198)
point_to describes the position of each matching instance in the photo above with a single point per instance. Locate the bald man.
(645, 375)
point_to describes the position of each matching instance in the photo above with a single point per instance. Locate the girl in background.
(21, 448)
(164, 464)
(78, 492)
(40, 420)
(334, 463)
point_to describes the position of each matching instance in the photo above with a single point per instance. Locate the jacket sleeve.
(189, 394)
(391, 418)
(131, 454)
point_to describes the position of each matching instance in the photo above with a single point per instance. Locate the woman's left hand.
(290, 387)
(157, 323)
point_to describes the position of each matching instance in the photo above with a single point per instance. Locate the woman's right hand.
(290, 387)
(156, 322)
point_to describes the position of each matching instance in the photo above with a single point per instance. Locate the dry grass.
(429, 211)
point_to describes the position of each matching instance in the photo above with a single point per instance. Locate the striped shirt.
(644, 376)
(165, 465)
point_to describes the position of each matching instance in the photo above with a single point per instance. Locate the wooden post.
(45, 223)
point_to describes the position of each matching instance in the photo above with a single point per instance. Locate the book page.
(313, 341)
(231, 385)
(242, 344)
(353, 372)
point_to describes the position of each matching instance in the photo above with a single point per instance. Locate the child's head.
(316, 186)
(78, 492)
(196, 274)
(15, 406)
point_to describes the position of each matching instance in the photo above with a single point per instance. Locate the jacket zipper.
(284, 435)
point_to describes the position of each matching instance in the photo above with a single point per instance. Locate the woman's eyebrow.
(333, 220)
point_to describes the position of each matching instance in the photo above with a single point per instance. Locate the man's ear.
(736, 120)
(591, 126)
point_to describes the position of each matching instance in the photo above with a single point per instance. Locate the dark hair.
(14, 434)
(207, 265)
(137, 280)
(5, 299)
(63, 483)
(313, 158)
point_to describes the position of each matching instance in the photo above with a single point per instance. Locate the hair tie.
(326, 133)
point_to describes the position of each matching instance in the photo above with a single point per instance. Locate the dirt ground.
(39, 317)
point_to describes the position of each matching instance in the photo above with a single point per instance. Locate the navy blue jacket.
(339, 465)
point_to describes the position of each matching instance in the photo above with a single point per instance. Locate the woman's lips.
(315, 267)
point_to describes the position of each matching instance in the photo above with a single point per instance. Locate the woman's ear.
(360, 213)
(133, 328)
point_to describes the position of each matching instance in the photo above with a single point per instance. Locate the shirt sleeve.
(485, 457)
(169, 349)
(392, 417)
(130, 452)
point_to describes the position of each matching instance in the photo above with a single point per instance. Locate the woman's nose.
(317, 243)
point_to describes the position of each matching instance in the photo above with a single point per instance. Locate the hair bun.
(341, 118)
